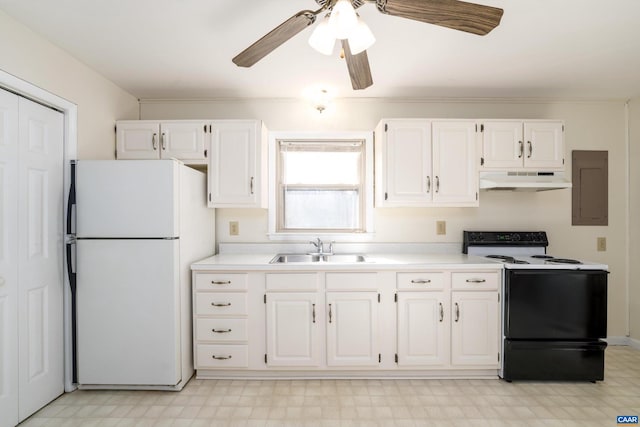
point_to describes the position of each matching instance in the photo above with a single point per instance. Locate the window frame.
(366, 197)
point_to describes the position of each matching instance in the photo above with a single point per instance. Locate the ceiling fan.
(458, 15)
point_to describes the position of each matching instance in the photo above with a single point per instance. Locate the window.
(320, 186)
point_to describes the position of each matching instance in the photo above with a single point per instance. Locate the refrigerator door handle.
(72, 285)
(71, 201)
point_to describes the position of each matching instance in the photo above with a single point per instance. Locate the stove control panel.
(504, 238)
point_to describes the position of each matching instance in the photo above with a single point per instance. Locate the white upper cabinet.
(238, 164)
(185, 140)
(426, 163)
(515, 144)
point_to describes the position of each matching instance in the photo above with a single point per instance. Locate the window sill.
(326, 237)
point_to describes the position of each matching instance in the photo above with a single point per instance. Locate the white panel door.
(423, 319)
(293, 322)
(40, 307)
(544, 147)
(475, 328)
(233, 171)
(138, 140)
(503, 145)
(455, 173)
(128, 312)
(8, 259)
(352, 329)
(136, 198)
(182, 140)
(408, 163)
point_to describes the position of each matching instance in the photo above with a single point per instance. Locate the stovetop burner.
(508, 259)
(563, 261)
(542, 256)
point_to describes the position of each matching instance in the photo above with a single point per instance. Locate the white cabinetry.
(421, 162)
(238, 164)
(516, 144)
(185, 140)
(294, 316)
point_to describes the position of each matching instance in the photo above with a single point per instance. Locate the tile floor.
(362, 402)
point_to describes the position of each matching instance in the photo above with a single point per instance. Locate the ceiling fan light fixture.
(323, 39)
(361, 38)
(343, 19)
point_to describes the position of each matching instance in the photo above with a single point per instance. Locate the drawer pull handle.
(476, 280)
(221, 331)
(421, 281)
(221, 304)
(221, 357)
(222, 282)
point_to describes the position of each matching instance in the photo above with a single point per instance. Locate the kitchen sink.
(340, 258)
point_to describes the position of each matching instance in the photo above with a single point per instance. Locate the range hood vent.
(523, 181)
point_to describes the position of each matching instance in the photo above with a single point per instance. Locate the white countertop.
(373, 262)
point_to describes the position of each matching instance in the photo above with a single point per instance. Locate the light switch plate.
(441, 227)
(602, 244)
(234, 228)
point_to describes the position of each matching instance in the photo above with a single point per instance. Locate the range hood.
(522, 181)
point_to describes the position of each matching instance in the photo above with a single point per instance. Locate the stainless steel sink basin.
(340, 258)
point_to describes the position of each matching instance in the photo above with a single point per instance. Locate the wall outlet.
(441, 227)
(234, 228)
(602, 244)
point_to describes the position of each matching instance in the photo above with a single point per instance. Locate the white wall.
(634, 214)
(589, 126)
(32, 58)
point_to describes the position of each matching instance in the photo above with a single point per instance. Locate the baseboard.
(634, 343)
(618, 340)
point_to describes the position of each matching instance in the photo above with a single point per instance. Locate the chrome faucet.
(319, 245)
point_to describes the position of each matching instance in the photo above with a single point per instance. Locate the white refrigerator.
(139, 226)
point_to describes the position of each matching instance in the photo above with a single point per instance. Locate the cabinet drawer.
(352, 281)
(221, 303)
(221, 282)
(222, 356)
(292, 282)
(485, 280)
(420, 281)
(221, 330)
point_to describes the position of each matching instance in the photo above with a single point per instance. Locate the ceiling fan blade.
(270, 41)
(459, 15)
(358, 66)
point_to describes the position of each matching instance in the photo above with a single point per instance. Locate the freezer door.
(128, 305)
(127, 198)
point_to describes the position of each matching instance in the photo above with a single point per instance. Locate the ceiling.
(568, 49)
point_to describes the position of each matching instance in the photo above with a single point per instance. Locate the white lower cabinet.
(475, 328)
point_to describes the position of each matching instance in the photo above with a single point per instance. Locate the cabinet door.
(475, 328)
(183, 140)
(233, 171)
(423, 319)
(293, 320)
(138, 139)
(503, 145)
(352, 329)
(407, 163)
(544, 145)
(455, 176)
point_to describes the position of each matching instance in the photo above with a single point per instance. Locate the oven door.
(555, 304)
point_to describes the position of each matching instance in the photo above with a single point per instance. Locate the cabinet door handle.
(530, 149)
(441, 312)
(521, 149)
(329, 313)
(313, 312)
(154, 143)
(221, 357)
(437, 184)
(163, 141)
(421, 281)
(251, 185)
(476, 280)
(221, 304)
(457, 312)
(221, 282)
(428, 184)
(221, 331)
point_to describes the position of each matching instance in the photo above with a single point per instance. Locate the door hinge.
(476, 195)
(378, 297)
(265, 358)
(482, 128)
(481, 161)
(115, 128)
(562, 128)
(498, 297)
(395, 298)
(379, 357)
(205, 154)
(476, 127)
(265, 298)
(386, 196)
(563, 161)
(386, 127)
(498, 357)
(115, 153)
(205, 128)
(209, 196)
(396, 358)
